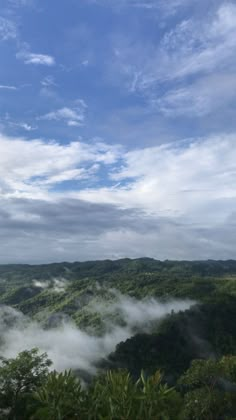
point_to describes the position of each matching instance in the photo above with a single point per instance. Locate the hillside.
(140, 315)
(72, 288)
(81, 291)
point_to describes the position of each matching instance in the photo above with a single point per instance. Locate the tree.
(210, 389)
(20, 377)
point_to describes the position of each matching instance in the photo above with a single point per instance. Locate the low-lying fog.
(69, 347)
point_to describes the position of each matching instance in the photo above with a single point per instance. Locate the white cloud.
(7, 120)
(48, 81)
(26, 126)
(176, 181)
(8, 29)
(204, 96)
(200, 46)
(44, 163)
(36, 59)
(72, 116)
(167, 8)
(8, 87)
(169, 201)
(57, 285)
(183, 180)
(194, 180)
(194, 47)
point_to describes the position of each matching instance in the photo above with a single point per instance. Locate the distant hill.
(70, 288)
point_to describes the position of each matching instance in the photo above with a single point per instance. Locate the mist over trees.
(126, 339)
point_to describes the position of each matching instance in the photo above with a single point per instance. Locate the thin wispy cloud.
(48, 81)
(71, 116)
(36, 59)
(200, 98)
(8, 87)
(25, 126)
(8, 29)
(9, 122)
(160, 5)
(193, 48)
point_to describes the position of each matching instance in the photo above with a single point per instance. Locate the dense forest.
(177, 362)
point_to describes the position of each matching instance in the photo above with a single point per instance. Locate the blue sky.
(117, 129)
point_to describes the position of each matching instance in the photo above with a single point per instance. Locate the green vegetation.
(182, 367)
(203, 331)
(19, 379)
(29, 392)
(87, 283)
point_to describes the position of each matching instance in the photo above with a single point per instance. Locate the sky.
(117, 130)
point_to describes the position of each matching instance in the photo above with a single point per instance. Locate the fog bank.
(71, 348)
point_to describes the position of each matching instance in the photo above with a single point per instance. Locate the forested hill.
(199, 319)
(70, 288)
(126, 265)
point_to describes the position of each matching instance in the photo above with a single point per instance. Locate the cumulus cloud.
(70, 348)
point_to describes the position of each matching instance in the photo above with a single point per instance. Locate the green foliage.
(210, 389)
(60, 398)
(19, 377)
(199, 332)
(158, 401)
(87, 282)
(116, 396)
(30, 392)
(207, 329)
(206, 391)
(113, 396)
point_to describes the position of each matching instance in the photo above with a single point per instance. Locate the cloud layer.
(172, 201)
